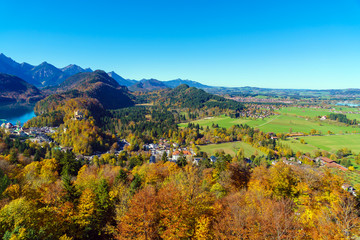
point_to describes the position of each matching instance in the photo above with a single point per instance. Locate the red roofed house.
(330, 163)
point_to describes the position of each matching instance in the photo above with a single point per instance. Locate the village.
(34, 134)
(172, 151)
(256, 111)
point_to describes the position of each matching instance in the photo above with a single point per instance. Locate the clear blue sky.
(277, 44)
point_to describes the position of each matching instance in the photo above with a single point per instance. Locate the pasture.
(304, 112)
(315, 112)
(295, 145)
(330, 143)
(231, 148)
(283, 123)
(335, 142)
(222, 121)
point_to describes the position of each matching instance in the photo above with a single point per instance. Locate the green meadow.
(231, 148)
(305, 112)
(292, 119)
(222, 121)
(352, 177)
(335, 142)
(315, 112)
(289, 123)
(330, 143)
(284, 123)
(295, 145)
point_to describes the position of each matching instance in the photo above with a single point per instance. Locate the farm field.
(352, 116)
(328, 143)
(353, 177)
(305, 112)
(347, 109)
(295, 145)
(279, 124)
(230, 148)
(335, 142)
(222, 121)
(314, 112)
(283, 124)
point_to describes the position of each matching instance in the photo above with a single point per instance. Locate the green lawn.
(231, 148)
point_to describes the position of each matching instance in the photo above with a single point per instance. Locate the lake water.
(16, 112)
(349, 104)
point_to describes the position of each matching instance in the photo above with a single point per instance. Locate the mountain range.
(148, 85)
(42, 75)
(47, 75)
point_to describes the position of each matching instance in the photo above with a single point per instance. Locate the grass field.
(330, 143)
(283, 124)
(231, 148)
(305, 112)
(296, 120)
(295, 145)
(222, 121)
(353, 177)
(314, 112)
(335, 142)
(279, 124)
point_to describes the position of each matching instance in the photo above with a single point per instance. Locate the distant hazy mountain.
(42, 75)
(73, 69)
(98, 85)
(122, 81)
(47, 74)
(147, 85)
(9, 66)
(178, 82)
(14, 89)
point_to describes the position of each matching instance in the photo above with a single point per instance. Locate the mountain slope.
(191, 97)
(122, 81)
(46, 74)
(73, 69)
(15, 89)
(9, 66)
(98, 85)
(148, 85)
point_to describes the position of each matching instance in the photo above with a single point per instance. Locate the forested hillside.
(191, 97)
(14, 89)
